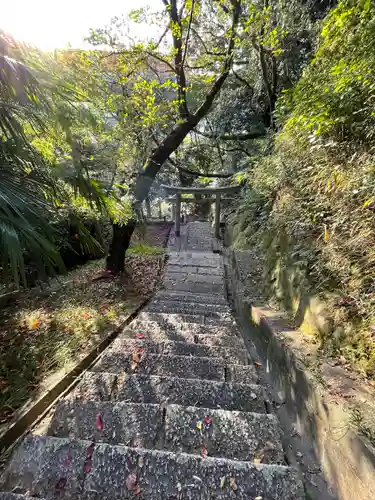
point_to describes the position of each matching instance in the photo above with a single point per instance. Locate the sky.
(48, 24)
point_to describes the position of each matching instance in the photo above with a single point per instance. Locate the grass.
(144, 249)
(42, 333)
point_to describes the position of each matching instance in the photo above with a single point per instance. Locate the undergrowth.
(310, 204)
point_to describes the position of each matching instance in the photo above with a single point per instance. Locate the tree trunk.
(148, 207)
(121, 235)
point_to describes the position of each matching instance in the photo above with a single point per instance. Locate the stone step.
(71, 469)
(170, 390)
(15, 496)
(229, 434)
(220, 340)
(226, 434)
(164, 324)
(193, 287)
(209, 278)
(170, 319)
(191, 258)
(190, 306)
(162, 365)
(160, 332)
(235, 356)
(129, 424)
(190, 269)
(223, 313)
(191, 297)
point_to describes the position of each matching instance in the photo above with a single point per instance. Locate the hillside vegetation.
(310, 204)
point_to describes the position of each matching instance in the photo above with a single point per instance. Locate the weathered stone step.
(195, 259)
(193, 287)
(235, 435)
(170, 390)
(222, 312)
(162, 365)
(170, 319)
(15, 496)
(235, 356)
(191, 269)
(129, 424)
(60, 468)
(226, 434)
(229, 434)
(169, 324)
(208, 278)
(190, 306)
(220, 340)
(186, 297)
(166, 319)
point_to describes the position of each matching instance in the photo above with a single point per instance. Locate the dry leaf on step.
(233, 483)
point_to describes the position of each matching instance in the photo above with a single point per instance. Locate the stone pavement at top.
(171, 410)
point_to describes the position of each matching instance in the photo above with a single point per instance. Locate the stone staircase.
(171, 410)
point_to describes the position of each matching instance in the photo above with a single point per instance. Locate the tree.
(195, 66)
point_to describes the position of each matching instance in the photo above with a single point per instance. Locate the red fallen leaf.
(131, 482)
(204, 452)
(140, 336)
(137, 490)
(141, 350)
(90, 450)
(208, 420)
(61, 483)
(257, 363)
(99, 422)
(76, 236)
(87, 467)
(86, 316)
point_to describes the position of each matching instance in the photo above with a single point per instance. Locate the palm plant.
(25, 184)
(32, 190)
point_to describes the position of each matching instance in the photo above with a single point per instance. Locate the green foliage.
(311, 201)
(144, 249)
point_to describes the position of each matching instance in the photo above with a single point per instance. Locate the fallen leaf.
(222, 482)
(35, 323)
(99, 422)
(131, 481)
(87, 467)
(85, 315)
(199, 425)
(258, 460)
(204, 452)
(90, 450)
(233, 483)
(76, 236)
(258, 498)
(208, 420)
(257, 363)
(140, 335)
(137, 490)
(61, 483)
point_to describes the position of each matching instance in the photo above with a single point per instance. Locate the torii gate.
(179, 190)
